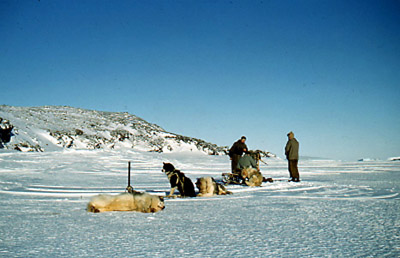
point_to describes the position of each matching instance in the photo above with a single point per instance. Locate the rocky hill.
(59, 127)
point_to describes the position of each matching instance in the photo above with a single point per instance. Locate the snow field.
(338, 210)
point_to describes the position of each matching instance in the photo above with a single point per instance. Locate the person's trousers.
(235, 161)
(293, 170)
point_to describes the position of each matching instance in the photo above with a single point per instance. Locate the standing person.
(292, 155)
(236, 151)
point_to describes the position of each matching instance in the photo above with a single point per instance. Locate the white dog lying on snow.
(136, 201)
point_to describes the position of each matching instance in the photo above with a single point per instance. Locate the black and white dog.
(177, 179)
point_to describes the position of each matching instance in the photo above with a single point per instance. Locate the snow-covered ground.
(338, 210)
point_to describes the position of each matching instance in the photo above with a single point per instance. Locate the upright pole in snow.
(129, 188)
(129, 173)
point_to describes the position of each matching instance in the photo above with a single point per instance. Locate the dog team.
(245, 170)
(144, 202)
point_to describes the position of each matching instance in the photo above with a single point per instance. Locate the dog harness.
(170, 174)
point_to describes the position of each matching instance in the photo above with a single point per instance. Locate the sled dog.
(136, 201)
(208, 187)
(179, 181)
(252, 177)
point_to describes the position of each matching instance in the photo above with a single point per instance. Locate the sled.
(231, 179)
(236, 179)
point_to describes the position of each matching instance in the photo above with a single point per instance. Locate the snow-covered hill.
(58, 127)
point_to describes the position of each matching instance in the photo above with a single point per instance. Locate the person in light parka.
(292, 155)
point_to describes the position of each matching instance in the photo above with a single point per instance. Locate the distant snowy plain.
(338, 210)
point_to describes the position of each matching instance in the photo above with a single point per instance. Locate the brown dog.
(208, 187)
(252, 177)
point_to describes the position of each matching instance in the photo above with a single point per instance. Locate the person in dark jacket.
(292, 155)
(236, 151)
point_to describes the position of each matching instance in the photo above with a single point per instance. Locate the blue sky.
(327, 70)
